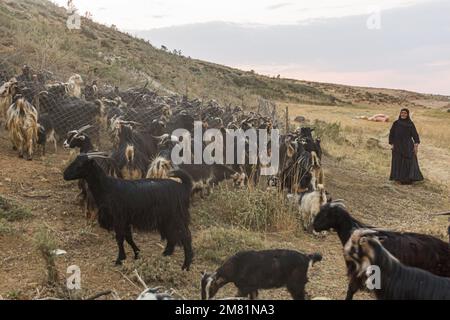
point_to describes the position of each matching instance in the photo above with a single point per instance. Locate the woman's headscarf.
(408, 122)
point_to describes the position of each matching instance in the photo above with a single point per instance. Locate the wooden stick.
(136, 273)
(100, 294)
(128, 279)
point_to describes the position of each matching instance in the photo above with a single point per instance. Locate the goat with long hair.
(412, 249)
(146, 205)
(21, 122)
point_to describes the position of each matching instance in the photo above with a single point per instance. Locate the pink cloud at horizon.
(412, 81)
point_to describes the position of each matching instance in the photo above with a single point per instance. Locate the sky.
(402, 44)
(149, 14)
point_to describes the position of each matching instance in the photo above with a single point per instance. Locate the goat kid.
(251, 271)
(309, 206)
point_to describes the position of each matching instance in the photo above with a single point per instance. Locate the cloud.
(279, 6)
(410, 50)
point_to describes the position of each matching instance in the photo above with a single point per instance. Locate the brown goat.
(21, 122)
(7, 92)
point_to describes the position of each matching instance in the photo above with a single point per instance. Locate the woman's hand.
(392, 147)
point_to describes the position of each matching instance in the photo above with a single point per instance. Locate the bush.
(11, 212)
(46, 245)
(332, 131)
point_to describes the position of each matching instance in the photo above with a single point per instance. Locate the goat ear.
(220, 281)
(382, 238)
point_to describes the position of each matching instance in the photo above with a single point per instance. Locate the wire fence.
(70, 105)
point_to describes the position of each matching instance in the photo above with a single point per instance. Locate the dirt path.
(38, 185)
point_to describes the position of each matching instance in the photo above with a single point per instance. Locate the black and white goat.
(412, 249)
(146, 205)
(155, 294)
(251, 271)
(397, 281)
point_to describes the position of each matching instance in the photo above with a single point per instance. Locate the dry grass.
(11, 212)
(46, 244)
(251, 209)
(215, 244)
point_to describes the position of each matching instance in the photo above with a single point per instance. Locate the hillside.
(35, 32)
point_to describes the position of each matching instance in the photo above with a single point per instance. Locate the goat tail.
(129, 153)
(313, 258)
(185, 178)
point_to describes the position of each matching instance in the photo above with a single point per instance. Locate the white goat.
(309, 206)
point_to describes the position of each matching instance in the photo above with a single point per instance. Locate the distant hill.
(35, 32)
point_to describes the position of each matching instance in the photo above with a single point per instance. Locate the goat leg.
(254, 295)
(130, 241)
(122, 256)
(241, 294)
(170, 248)
(188, 252)
(353, 287)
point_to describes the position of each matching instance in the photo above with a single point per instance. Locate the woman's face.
(404, 115)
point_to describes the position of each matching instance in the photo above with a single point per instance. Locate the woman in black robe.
(404, 141)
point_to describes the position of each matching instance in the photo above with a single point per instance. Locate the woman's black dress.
(405, 167)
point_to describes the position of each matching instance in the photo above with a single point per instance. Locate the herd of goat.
(134, 186)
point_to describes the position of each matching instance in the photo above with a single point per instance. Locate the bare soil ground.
(38, 186)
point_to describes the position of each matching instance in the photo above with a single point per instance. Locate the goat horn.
(84, 128)
(92, 155)
(446, 213)
(364, 232)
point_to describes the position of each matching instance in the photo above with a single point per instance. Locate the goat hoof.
(118, 263)
(184, 267)
(137, 256)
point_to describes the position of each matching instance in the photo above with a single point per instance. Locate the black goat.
(142, 141)
(78, 139)
(46, 132)
(146, 205)
(397, 281)
(412, 249)
(133, 164)
(254, 270)
(207, 176)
